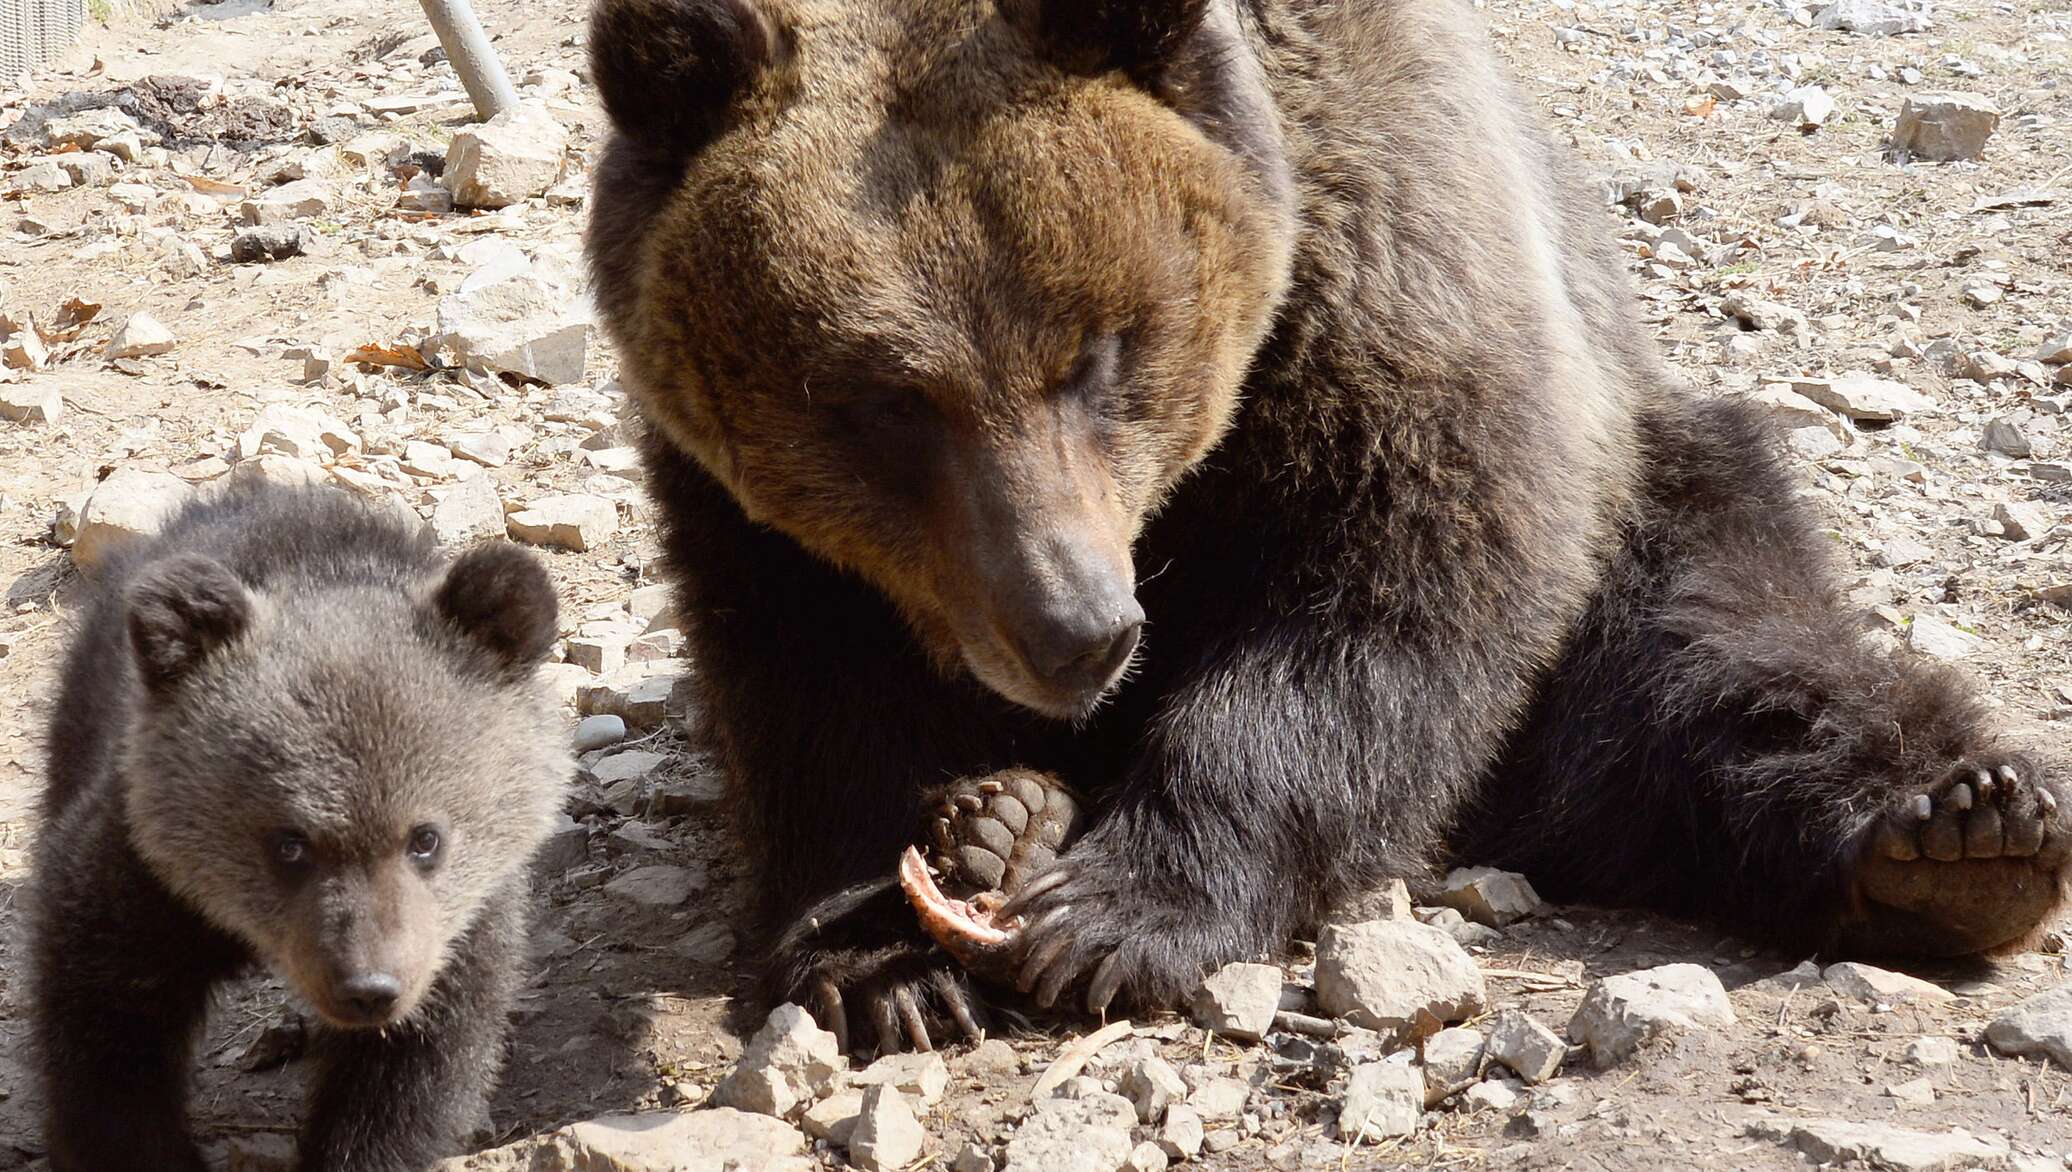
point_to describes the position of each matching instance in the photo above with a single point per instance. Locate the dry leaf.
(208, 186)
(1701, 107)
(376, 354)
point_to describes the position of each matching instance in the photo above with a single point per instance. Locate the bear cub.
(290, 733)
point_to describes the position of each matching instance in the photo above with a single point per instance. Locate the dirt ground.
(1945, 277)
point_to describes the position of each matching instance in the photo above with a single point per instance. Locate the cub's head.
(341, 778)
(951, 293)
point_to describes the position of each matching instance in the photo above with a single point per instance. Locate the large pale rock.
(1876, 985)
(886, 1136)
(300, 200)
(1622, 1013)
(140, 337)
(512, 157)
(1864, 397)
(1239, 1000)
(130, 505)
(469, 512)
(1935, 638)
(1489, 896)
(2041, 1025)
(1452, 1062)
(300, 432)
(1088, 1134)
(790, 1063)
(576, 521)
(1880, 1145)
(1873, 18)
(718, 1140)
(522, 325)
(1382, 1099)
(1945, 125)
(1379, 974)
(1530, 1049)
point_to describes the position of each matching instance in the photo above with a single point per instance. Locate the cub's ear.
(1139, 37)
(180, 611)
(669, 70)
(500, 598)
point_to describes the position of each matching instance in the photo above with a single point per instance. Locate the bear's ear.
(668, 70)
(180, 611)
(1139, 37)
(500, 598)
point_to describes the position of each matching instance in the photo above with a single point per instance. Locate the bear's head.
(341, 777)
(950, 293)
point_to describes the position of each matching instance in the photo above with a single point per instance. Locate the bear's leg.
(1720, 740)
(398, 1099)
(121, 977)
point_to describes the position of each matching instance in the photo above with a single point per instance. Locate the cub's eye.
(289, 848)
(424, 844)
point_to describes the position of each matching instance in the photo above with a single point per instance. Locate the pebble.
(269, 242)
(1622, 1013)
(1381, 1100)
(833, 1118)
(1793, 412)
(2040, 1026)
(972, 1158)
(661, 885)
(1916, 1092)
(1453, 1061)
(1935, 638)
(130, 504)
(1489, 896)
(1181, 1136)
(298, 200)
(1151, 1085)
(141, 336)
(1379, 974)
(470, 511)
(922, 1076)
(31, 402)
(1896, 1149)
(1876, 985)
(886, 1135)
(1872, 18)
(2008, 437)
(1945, 125)
(567, 845)
(510, 158)
(789, 1063)
(1531, 1050)
(1807, 107)
(598, 732)
(1239, 1000)
(575, 521)
(1932, 1051)
(301, 432)
(1495, 1094)
(2023, 520)
(1219, 1098)
(1146, 1157)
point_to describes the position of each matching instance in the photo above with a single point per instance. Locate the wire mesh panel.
(34, 31)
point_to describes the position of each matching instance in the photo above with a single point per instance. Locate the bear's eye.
(424, 845)
(1093, 378)
(290, 849)
(880, 412)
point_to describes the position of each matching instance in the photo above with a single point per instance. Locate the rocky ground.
(232, 249)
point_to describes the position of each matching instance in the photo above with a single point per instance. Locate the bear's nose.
(372, 996)
(1080, 653)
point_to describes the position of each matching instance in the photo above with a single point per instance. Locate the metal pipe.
(468, 49)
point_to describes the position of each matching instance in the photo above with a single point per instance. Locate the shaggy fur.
(286, 665)
(1282, 314)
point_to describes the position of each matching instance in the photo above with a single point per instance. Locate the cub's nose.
(371, 997)
(1081, 652)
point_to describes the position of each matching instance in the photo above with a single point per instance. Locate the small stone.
(1239, 1001)
(1864, 397)
(1872, 18)
(1793, 411)
(1932, 1051)
(24, 350)
(1620, 1014)
(274, 468)
(277, 1045)
(1495, 1095)
(719, 1139)
(2023, 520)
(1530, 1049)
(299, 200)
(2007, 437)
(1939, 640)
(1945, 125)
(567, 845)
(510, 158)
(87, 128)
(469, 512)
(790, 1062)
(2041, 1025)
(130, 504)
(87, 169)
(972, 1158)
(657, 886)
(601, 654)
(1807, 107)
(522, 325)
(1146, 1157)
(993, 1059)
(1090, 1134)
(428, 460)
(1380, 974)
(1382, 1100)
(301, 432)
(1151, 1085)
(30, 402)
(921, 1076)
(1180, 1136)
(886, 1135)
(707, 944)
(140, 337)
(630, 765)
(269, 242)
(1896, 1149)
(2057, 348)
(575, 522)
(487, 448)
(598, 732)
(1452, 1062)
(44, 177)
(1219, 1098)
(1916, 1092)
(1489, 896)
(1760, 315)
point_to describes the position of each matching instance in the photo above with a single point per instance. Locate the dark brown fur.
(1414, 514)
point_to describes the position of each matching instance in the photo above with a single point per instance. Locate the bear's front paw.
(1092, 917)
(1967, 865)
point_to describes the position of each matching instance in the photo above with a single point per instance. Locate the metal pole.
(468, 49)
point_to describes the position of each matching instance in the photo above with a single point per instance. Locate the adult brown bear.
(979, 339)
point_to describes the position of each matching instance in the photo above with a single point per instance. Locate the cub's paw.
(1968, 865)
(890, 999)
